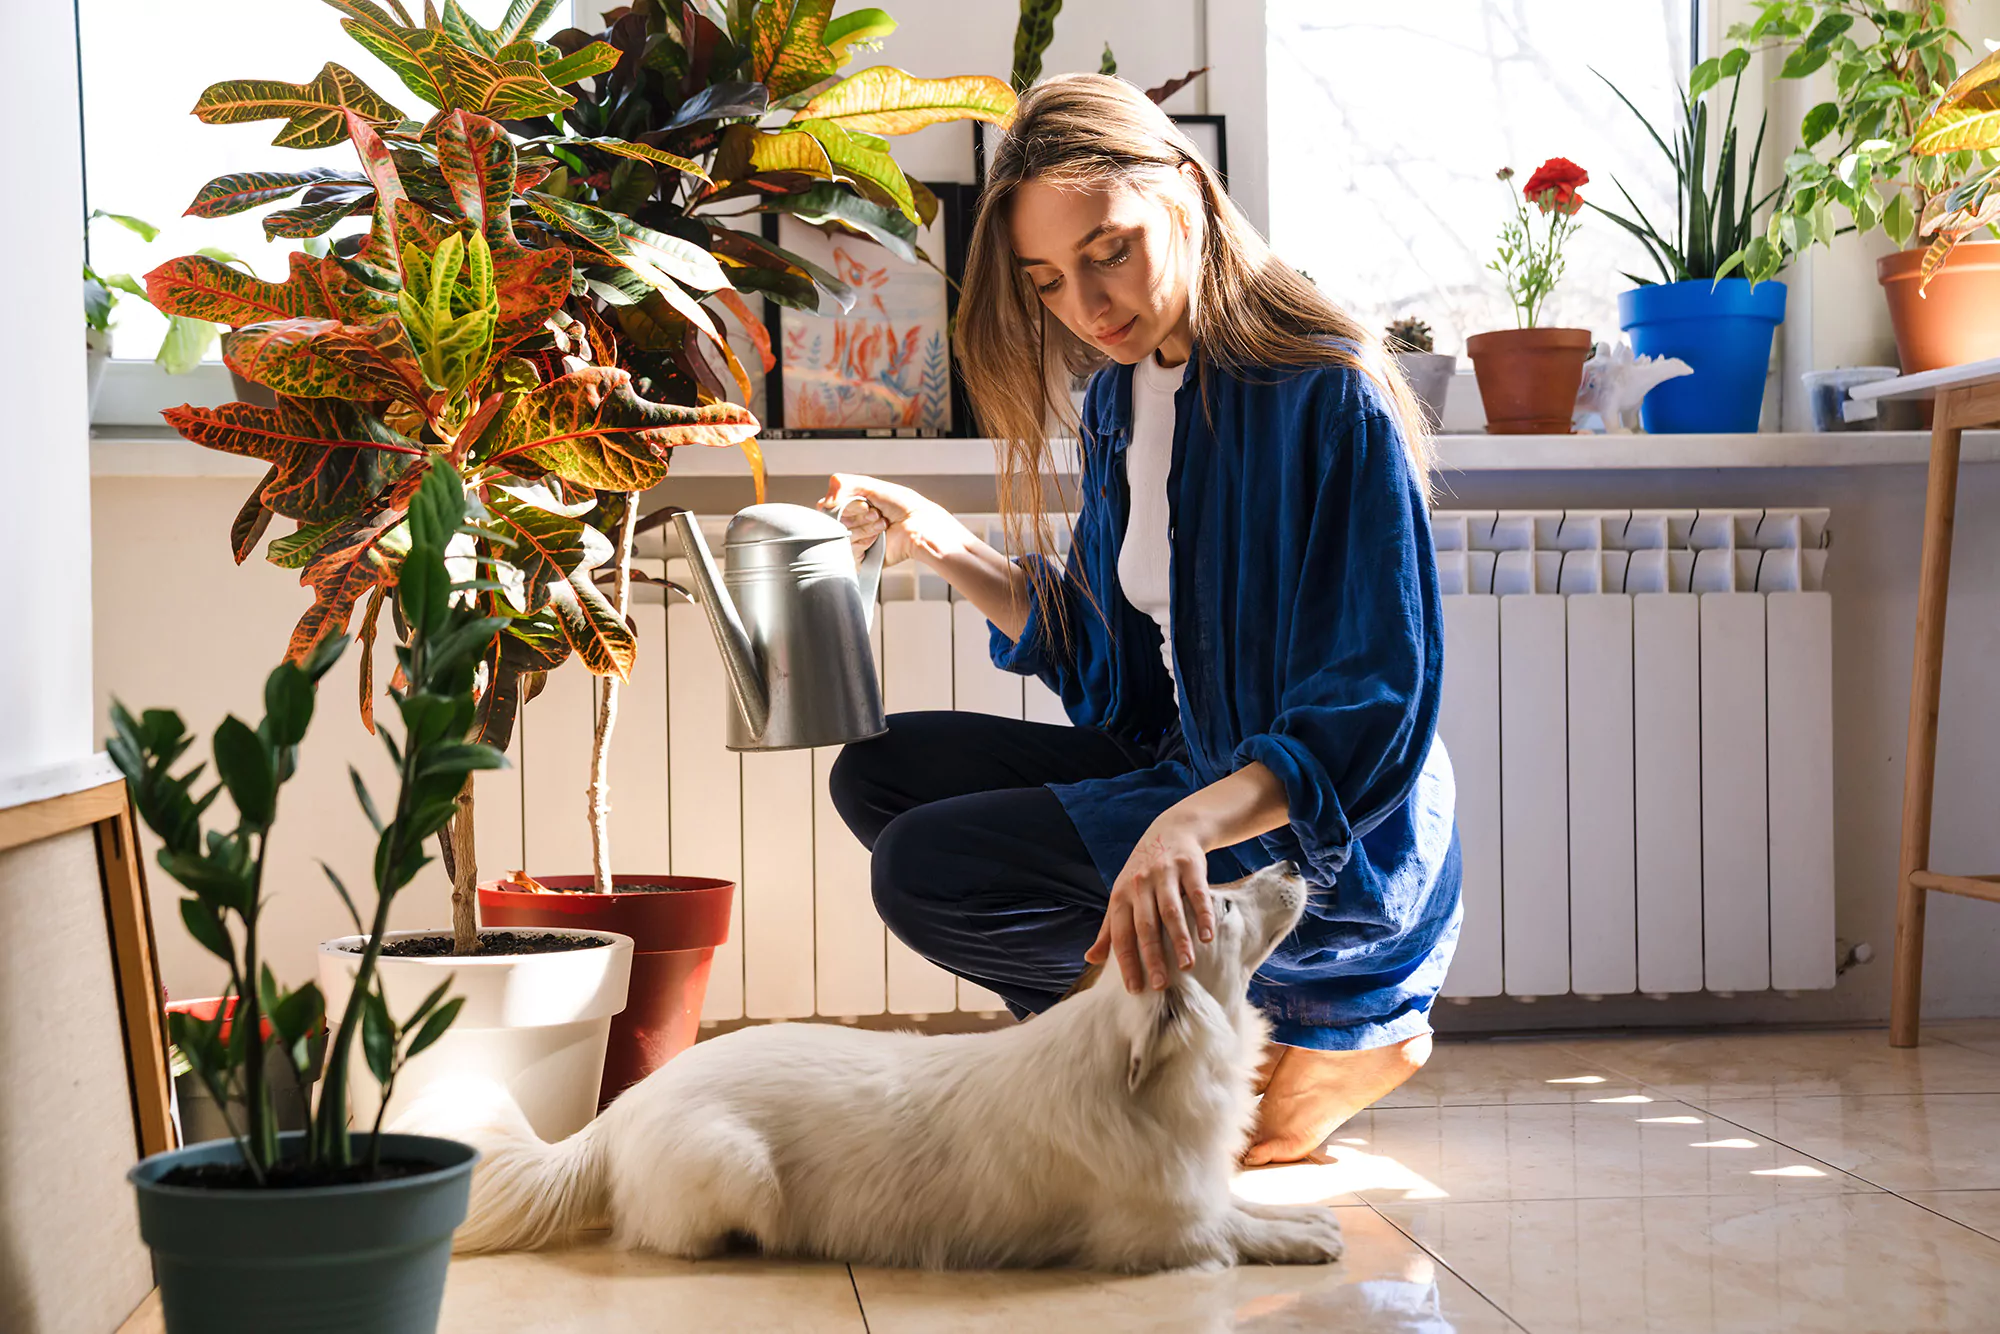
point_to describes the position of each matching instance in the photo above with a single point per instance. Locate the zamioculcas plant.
(574, 331)
(223, 869)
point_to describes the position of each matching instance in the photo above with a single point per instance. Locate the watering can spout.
(739, 659)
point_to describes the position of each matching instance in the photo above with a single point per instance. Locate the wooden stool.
(1964, 397)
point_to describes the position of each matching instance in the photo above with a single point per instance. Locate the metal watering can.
(791, 615)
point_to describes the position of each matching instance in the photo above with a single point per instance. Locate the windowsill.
(141, 451)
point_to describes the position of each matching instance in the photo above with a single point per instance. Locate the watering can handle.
(869, 568)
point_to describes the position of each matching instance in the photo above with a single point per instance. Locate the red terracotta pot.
(675, 922)
(1528, 378)
(1958, 317)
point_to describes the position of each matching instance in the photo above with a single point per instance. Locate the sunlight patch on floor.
(1311, 1183)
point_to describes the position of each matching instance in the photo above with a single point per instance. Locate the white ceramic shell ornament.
(1614, 383)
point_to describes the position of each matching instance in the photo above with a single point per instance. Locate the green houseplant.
(255, 1231)
(597, 185)
(1528, 375)
(1859, 165)
(187, 341)
(1721, 326)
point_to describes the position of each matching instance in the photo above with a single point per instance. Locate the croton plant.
(538, 295)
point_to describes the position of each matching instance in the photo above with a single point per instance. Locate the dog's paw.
(1304, 1235)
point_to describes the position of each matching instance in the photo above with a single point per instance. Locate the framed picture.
(1206, 131)
(884, 368)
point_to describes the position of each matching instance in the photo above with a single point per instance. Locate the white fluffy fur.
(1101, 1134)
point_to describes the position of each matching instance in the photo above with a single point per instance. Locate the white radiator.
(1639, 711)
(1638, 707)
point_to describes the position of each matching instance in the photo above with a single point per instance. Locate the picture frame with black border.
(951, 227)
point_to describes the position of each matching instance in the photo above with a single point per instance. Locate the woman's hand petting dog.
(1169, 864)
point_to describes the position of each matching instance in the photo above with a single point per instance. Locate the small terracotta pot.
(1958, 317)
(1528, 378)
(674, 928)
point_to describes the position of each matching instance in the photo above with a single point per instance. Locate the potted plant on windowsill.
(1529, 376)
(187, 341)
(1860, 159)
(1428, 370)
(325, 1226)
(634, 152)
(1720, 325)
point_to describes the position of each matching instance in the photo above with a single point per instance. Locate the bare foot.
(1309, 1094)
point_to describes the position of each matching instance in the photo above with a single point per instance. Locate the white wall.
(45, 703)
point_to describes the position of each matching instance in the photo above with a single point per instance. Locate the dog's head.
(1251, 916)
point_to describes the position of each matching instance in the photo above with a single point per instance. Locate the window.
(1388, 123)
(144, 65)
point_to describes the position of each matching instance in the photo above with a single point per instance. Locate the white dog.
(1101, 1134)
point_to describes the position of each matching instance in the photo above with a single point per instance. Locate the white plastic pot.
(534, 1023)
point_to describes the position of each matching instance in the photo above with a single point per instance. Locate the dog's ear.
(1155, 1037)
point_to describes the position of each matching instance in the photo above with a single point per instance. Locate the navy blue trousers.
(976, 865)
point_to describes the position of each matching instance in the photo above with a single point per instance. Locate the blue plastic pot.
(364, 1259)
(1723, 331)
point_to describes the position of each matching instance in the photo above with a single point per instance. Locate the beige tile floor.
(1772, 1181)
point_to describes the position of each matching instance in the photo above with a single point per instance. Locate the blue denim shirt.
(1308, 637)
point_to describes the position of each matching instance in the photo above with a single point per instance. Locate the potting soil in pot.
(295, 1175)
(490, 942)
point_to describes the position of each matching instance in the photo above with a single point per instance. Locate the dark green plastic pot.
(366, 1259)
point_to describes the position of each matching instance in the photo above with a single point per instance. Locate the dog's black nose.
(1288, 868)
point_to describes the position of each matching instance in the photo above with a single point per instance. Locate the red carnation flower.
(1553, 186)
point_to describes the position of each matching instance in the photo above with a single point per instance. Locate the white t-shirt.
(1143, 554)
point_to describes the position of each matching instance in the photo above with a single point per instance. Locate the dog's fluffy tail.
(525, 1193)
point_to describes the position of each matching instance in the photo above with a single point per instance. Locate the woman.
(1245, 633)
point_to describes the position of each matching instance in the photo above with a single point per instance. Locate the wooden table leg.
(1920, 763)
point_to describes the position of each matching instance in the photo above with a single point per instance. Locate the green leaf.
(1734, 61)
(1703, 77)
(288, 704)
(186, 344)
(1828, 28)
(834, 203)
(857, 27)
(205, 925)
(245, 765)
(353, 913)
(595, 59)
(378, 1037)
(1899, 219)
(460, 758)
(1802, 62)
(1818, 123)
(864, 157)
(314, 113)
(434, 1027)
(438, 509)
(146, 231)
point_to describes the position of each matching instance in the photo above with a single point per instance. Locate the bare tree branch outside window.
(1387, 124)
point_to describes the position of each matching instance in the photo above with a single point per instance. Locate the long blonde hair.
(1249, 310)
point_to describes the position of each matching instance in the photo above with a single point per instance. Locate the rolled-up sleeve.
(1043, 649)
(1360, 671)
